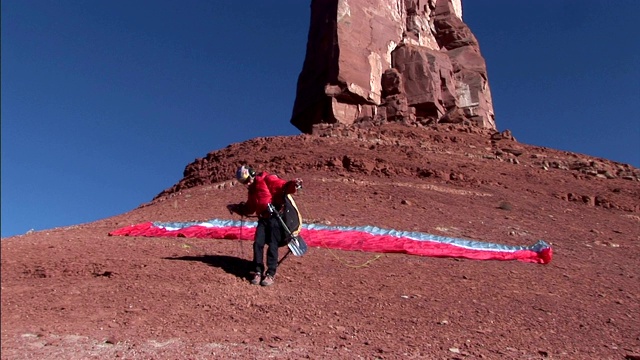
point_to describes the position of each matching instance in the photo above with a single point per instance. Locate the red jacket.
(267, 188)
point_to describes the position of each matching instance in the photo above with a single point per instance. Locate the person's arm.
(292, 186)
(238, 208)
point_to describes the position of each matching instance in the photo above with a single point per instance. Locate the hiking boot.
(268, 280)
(255, 280)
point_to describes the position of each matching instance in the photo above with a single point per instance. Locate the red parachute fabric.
(370, 239)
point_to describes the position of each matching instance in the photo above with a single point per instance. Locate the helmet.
(245, 173)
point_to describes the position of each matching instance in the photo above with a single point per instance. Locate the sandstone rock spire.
(391, 60)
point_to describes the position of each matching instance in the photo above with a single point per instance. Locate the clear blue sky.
(105, 102)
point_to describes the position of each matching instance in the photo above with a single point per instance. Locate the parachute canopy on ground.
(352, 238)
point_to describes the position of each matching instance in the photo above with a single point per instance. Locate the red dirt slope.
(76, 293)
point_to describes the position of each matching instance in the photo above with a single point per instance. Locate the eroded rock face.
(409, 61)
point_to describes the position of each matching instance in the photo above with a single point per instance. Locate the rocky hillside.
(460, 155)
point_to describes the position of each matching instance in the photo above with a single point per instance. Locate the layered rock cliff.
(409, 61)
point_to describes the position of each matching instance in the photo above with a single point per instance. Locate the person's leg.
(258, 246)
(273, 235)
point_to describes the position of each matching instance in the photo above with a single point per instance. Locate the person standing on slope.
(264, 189)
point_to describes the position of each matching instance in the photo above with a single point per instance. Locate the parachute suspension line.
(186, 245)
(343, 262)
(240, 243)
(365, 264)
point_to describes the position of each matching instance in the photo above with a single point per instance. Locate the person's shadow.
(230, 264)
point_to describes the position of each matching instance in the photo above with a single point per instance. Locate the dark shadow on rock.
(230, 264)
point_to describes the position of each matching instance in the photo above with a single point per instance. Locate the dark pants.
(269, 232)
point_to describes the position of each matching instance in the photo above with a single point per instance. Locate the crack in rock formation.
(408, 61)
